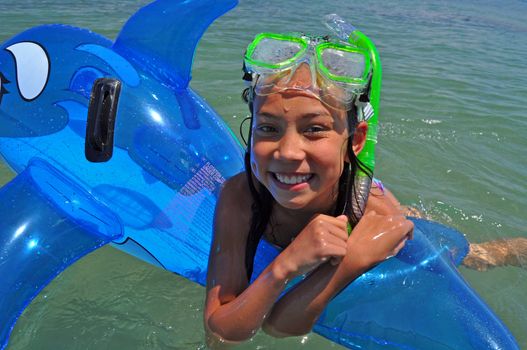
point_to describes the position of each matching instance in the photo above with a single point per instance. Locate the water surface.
(452, 141)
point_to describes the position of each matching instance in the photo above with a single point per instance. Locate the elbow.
(275, 330)
(219, 338)
(215, 341)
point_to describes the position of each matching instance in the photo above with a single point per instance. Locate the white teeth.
(292, 180)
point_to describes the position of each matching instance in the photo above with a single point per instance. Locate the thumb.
(342, 218)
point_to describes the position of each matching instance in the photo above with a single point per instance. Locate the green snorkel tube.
(347, 32)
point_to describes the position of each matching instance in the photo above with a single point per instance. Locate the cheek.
(258, 154)
(254, 168)
(330, 156)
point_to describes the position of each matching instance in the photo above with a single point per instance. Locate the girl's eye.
(315, 130)
(266, 129)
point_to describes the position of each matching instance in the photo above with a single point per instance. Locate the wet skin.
(298, 152)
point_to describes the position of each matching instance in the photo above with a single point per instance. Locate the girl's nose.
(290, 147)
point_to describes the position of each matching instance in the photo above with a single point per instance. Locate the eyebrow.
(317, 114)
(309, 115)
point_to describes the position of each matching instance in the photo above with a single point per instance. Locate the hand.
(376, 238)
(324, 238)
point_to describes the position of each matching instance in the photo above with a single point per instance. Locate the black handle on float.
(98, 146)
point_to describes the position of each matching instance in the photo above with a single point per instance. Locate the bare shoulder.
(232, 217)
(383, 201)
(234, 204)
(231, 226)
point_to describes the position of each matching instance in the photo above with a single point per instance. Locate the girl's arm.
(481, 256)
(296, 312)
(374, 239)
(234, 310)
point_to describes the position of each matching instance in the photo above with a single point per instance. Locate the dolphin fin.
(161, 37)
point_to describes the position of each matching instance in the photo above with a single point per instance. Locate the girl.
(305, 135)
(309, 101)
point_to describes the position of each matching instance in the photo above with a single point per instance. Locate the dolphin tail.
(48, 223)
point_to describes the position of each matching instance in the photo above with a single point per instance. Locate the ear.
(359, 137)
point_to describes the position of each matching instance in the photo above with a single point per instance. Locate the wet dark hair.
(263, 201)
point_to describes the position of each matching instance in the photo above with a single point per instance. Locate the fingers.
(337, 226)
(336, 241)
(334, 253)
(328, 246)
(399, 246)
(340, 231)
(408, 230)
(402, 228)
(340, 221)
(342, 218)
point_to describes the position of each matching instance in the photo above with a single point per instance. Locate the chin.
(290, 204)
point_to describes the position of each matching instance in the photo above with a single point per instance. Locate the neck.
(302, 216)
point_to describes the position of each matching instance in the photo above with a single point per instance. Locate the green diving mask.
(340, 71)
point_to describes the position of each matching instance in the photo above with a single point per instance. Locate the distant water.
(452, 142)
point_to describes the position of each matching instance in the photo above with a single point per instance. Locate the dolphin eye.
(82, 80)
(32, 68)
(3, 90)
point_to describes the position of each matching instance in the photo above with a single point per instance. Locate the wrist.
(351, 268)
(281, 271)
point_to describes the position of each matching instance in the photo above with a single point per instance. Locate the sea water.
(452, 143)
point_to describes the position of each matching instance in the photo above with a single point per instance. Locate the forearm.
(240, 318)
(297, 311)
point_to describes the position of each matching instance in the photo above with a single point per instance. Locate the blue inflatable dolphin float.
(154, 196)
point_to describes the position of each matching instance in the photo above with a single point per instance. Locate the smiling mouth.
(290, 179)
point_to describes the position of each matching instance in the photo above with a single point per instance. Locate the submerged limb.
(500, 252)
(487, 255)
(413, 212)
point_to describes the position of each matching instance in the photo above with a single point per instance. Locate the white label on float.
(32, 68)
(207, 177)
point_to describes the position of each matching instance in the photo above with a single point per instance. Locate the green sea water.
(452, 142)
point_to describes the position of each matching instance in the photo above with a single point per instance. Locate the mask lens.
(346, 64)
(275, 51)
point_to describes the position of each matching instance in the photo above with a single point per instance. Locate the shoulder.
(233, 210)
(238, 185)
(382, 200)
(236, 195)
(231, 227)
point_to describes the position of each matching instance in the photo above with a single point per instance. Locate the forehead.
(293, 104)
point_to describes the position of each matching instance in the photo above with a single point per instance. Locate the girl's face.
(298, 148)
